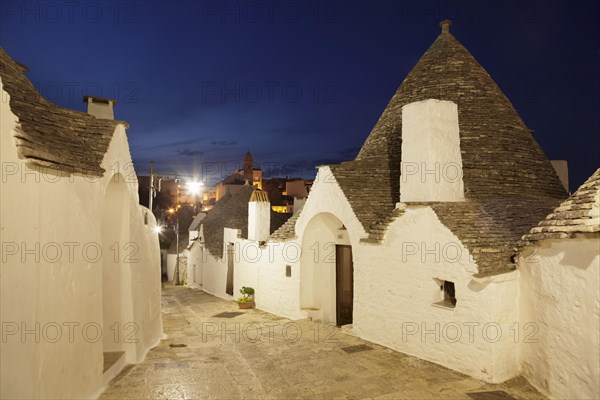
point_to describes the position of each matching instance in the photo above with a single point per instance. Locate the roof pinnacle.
(445, 25)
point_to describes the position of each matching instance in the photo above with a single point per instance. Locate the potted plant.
(247, 299)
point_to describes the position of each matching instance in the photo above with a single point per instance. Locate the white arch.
(318, 265)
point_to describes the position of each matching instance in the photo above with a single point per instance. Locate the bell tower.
(248, 166)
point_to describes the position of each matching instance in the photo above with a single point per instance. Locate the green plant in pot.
(247, 299)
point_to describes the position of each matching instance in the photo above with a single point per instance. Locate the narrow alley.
(213, 350)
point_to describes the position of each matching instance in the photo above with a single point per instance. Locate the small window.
(447, 294)
(145, 218)
(288, 271)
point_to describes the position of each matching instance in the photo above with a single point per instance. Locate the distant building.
(239, 224)
(234, 182)
(209, 196)
(172, 189)
(298, 187)
(170, 193)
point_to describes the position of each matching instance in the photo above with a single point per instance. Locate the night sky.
(300, 83)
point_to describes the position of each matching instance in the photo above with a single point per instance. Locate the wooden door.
(344, 284)
(230, 264)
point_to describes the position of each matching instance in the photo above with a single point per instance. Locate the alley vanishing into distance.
(213, 350)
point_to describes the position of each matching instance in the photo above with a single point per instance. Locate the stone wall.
(262, 267)
(560, 281)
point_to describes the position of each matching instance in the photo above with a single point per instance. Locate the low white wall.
(397, 284)
(560, 281)
(171, 264)
(260, 267)
(280, 294)
(51, 276)
(395, 287)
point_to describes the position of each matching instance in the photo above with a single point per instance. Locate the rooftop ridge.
(579, 214)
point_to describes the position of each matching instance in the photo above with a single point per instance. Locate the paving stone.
(228, 366)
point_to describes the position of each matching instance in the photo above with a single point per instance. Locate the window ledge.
(444, 304)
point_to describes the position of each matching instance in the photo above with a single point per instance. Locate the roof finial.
(445, 25)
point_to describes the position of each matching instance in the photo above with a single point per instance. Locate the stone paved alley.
(224, 358)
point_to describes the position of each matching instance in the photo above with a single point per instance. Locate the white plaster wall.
(44, 210)
(392, 293)
(325, 209)
(395, 292)
(431, 168)
(260, 267)
(560, 281)
(327, 197)
(259, 220)
(171, 264)
(318, 273)
(194, 270)
(214, 269)
(277, 293)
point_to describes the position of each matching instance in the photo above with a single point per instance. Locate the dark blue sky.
(300, 82)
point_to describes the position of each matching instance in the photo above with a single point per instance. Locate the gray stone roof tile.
(579, 214)
(49, 136)
(508, 180)
(287, 231)
(231, 211)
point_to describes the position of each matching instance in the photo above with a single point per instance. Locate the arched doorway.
(327, 271)
(115, 236)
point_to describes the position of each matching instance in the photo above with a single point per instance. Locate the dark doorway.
(230, 256)
(344, 284)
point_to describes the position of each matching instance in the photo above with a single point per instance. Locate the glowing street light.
(158, 229)
(193, 187)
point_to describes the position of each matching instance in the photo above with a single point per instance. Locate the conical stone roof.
(499, 154)
(509, 182)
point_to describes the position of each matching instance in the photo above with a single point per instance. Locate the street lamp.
(156, 178)
(193, 187)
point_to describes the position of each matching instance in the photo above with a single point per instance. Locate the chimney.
(431, 167)
(445, 25)
(259, 216)
(100, 107)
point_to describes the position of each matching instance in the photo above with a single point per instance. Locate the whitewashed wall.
(397, 284)
(278, 293)
(325, 211)
(393, 294)
(60, 292)
(560, 281)
(260, 267)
